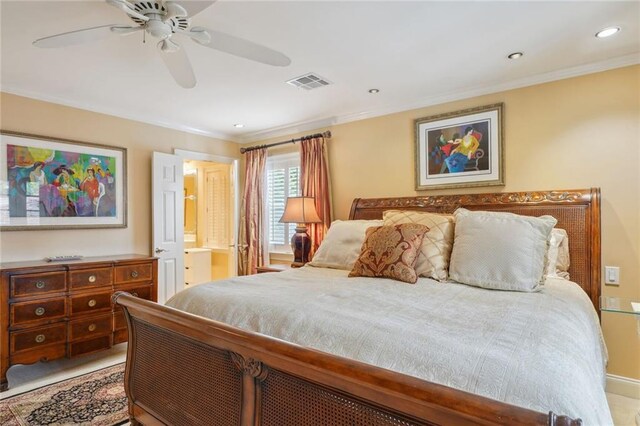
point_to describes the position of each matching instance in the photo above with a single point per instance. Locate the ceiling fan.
(163, 19)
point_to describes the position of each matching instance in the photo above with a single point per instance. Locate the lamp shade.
(300, 210)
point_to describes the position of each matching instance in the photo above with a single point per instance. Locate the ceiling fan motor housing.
(156, 12)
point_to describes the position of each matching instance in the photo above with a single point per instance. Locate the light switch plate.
(612, 275)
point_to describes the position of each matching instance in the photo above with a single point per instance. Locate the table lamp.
(300, 210)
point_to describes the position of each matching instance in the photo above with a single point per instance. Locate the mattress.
(542, 351)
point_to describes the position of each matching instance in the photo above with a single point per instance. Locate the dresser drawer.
(120, 336)
(90, 327)
(46, 353)
(89, 278)
(119, 322)
(39, 310)
(38, 337)
(96, 302)
(89, 346)
(38, 284)
(142, 291)
(134, 273)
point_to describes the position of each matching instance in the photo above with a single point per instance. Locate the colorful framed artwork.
(460, 149)
(48, 183)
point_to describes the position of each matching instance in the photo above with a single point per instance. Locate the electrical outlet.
(612, 275)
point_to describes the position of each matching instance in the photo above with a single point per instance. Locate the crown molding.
(318, 123)
(618, 62)
(110, 111)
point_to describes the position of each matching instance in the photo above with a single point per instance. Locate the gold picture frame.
(460, 149)
(53, 183)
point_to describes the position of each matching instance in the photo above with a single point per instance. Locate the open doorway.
(210, 196)
(209, 243)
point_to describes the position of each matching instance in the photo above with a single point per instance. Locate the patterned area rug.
(95, 399)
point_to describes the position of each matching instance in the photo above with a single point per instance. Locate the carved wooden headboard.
(577, 211)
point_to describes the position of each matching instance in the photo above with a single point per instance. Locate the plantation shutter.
(283, 180)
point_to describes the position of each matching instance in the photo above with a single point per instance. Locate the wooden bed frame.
(183, 369)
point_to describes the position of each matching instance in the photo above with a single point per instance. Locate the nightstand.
(273, 268)
(620, 305)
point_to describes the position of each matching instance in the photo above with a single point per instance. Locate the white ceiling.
(416, 53)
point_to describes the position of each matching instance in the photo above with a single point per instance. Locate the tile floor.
(625, 411)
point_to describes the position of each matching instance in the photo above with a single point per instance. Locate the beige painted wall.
(574, 133)
(30, 116)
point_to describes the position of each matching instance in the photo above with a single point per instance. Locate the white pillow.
(558, 254)
(433, 260)
(342, 244)
(501, 251)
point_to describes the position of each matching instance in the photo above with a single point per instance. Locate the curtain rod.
(325, 135)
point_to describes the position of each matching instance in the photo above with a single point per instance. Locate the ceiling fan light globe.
(158, 29)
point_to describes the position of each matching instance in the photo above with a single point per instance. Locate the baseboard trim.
(624, 386)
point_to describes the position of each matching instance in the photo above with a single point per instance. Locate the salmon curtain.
(252, 213)
(314, 178)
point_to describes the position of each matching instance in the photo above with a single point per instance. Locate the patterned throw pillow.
(390, 252)
(433, 260)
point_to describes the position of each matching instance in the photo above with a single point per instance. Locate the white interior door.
(168, 215)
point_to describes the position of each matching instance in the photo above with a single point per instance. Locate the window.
(283, 180)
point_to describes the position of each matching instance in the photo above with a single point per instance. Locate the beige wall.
(30, 116)
(574, 133)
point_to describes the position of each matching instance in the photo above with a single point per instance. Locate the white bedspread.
(540, 350)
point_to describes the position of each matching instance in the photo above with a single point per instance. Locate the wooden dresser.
(51, 310)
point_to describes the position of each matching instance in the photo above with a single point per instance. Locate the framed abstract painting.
(48, 183)
(460, 149)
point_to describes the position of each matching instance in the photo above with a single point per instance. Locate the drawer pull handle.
(92, 278)
(134, 274)
(92, 327)
(134, 293)
(39, 311)
(40, 338)
(40, 285)
(92, 303)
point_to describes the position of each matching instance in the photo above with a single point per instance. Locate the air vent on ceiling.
(309, 81)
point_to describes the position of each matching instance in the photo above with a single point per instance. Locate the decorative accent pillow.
(341, 246)
(435, 251)
(500, 251)
(390, 252)
(558, 254)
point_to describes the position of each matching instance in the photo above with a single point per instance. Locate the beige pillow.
(435, 251)
(558, 254)
(501, 251)
(390, 252)
(341, 246)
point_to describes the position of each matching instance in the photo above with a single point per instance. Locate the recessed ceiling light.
(374, 90)
(239, 125)
(607, 32)
(515, 55)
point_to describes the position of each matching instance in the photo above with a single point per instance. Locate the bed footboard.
(187, 370)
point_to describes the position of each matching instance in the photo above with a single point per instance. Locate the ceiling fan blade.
(126, 30)
(75, 37)
(177, 62)
(239, 47)
(194, 7)
(126, 7)
(174, 10)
